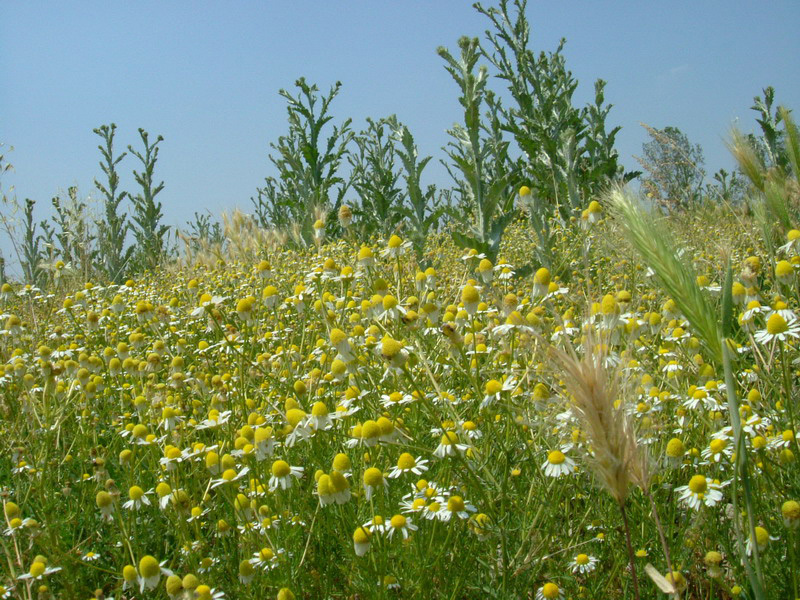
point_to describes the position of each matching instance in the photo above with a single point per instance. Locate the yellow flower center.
(373, 477)
(361, 535)
(398, 522)
(406, 462)
(390, 348)
(542, 277)
(280, 468)
(550, 591)
(776, 324)
(455, 504)
(698, 484)
(370, 429)
(493, 387)
(149, 567)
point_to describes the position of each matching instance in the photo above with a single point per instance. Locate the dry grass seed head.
(617, 459)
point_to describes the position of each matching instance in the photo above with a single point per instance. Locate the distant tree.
(673, 166)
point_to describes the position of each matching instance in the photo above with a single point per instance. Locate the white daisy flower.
(558, 464)
(456, 506)
(401, 524)
(408, 464)
(283, 475)
(700, 490)
(583, 564)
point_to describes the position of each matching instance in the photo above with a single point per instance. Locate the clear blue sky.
(206, 76)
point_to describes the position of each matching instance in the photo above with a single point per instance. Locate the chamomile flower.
(777, 329)
(283, 475)
(549, 591)
(790, 510)
(105, 503)
(205, 592)
(762, 540)
(713, 562)
(458, 507)
(265, 559)
(700, 490)
(541, 283)
(231, 476)
(264, 443)
(406, 463)
(717, 450)
(247, 572)
(38, 570)
(583, 564)
(89, 556)
(400, 524)
(373, 480)
(558, 464)
(494, 389)
(395, 247)
(362, 538)
(448, 446)
(150, 572)
(137, 498)
(675, 452)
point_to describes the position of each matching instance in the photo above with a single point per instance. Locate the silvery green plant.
(152, 237)
(112, 230)
(772, 173)
(203, 231)
(32, 257)
(308, 181)
(422, 209)
(73, 235)
(771, 143)
(375, 179)
(478, 156)
(568, 153)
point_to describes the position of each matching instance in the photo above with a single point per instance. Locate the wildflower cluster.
(338, 419)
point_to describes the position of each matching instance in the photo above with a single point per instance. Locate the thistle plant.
(150, 233)
(376, 179)
(202, 232)
(308, 180)
(568, 152)
(73, 234)
(478, 154)
(772, 173)
(422, 209)
(32, 256)
(112, 230)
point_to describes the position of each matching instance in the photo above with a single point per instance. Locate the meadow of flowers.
(339, 422)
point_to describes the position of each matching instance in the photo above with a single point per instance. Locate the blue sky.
(206, 76)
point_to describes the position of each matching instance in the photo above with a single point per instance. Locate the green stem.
(741, 473)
